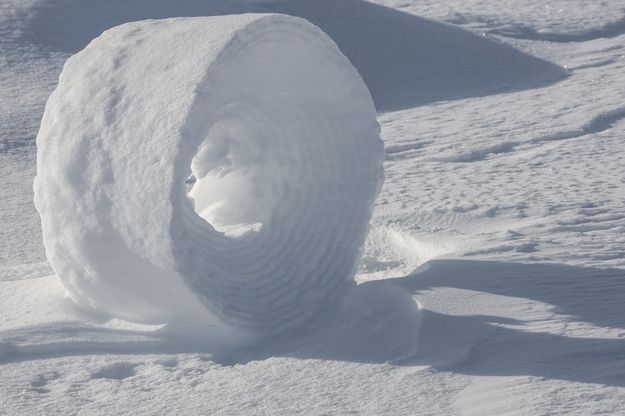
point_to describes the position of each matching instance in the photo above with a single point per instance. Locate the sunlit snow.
(492, 280)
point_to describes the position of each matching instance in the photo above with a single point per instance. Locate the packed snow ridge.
(217, 170)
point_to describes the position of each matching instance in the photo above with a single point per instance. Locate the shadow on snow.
(404, 59)
(379, 322)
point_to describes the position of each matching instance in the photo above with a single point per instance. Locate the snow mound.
(220, 170)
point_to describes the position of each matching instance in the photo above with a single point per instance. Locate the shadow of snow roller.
(219, 170)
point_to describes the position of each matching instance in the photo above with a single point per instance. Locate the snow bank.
(217, 169)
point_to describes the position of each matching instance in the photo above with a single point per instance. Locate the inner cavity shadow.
(405, 60)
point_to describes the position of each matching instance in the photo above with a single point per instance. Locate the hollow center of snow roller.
(267, 124)
(228, 173)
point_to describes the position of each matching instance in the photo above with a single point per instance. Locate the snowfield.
(492, 280)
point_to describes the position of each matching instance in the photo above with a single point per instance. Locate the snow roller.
(220, 170)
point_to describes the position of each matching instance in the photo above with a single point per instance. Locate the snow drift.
(217, 169)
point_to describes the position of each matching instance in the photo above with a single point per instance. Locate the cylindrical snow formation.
(221, 169)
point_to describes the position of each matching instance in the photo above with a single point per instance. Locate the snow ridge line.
(520, 31)
(597, 124)
(399, 148)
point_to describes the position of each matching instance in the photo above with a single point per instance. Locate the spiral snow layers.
(218, 169)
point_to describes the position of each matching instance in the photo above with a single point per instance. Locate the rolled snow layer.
(220, 169)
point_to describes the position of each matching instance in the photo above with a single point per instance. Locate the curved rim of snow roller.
(220, 170)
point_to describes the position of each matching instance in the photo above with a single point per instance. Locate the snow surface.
(492, 281)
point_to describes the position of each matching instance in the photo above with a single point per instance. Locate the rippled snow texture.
(217, 169)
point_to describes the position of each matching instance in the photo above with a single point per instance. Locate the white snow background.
(492, 281)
